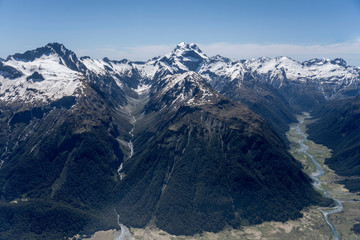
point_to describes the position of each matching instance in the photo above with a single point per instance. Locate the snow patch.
(142, 88)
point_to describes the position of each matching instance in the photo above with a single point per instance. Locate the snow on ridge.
(116, 69)
(183, 48)
(231, 69)
(56, 81)
(322, 69)
(100, 66)
(172, 80)
(94, 65)
(147, 70)
(184, 93)
(215, 68)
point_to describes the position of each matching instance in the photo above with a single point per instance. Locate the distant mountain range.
(186, 142)
(330, 79)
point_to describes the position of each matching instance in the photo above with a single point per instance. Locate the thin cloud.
(350, 51)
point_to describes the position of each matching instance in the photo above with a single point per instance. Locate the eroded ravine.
(124, 231)
(134, 109)
(130, 110)
(303, 148)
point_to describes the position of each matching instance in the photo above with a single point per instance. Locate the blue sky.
(139, 30)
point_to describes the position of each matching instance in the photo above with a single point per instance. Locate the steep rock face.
(207, 164)
(338, 127)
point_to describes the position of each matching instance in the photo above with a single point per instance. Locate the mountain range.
(185, 142)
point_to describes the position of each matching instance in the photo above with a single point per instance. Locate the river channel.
(303, 148)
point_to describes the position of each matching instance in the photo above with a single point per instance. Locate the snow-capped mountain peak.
(43, 64)
(65, 56)
(218, 71)
(190, 51)
(48, 49)
(58, 48)
(184, 57)
(41, 75)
